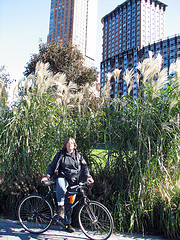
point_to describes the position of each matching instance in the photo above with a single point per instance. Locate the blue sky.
(24, 22)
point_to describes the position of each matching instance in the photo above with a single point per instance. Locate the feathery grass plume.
(172, 68)
(20, 84)
(30, 77)
(155, 66)
(162, 79)
(144, 66)
(61, 86)
(3, 96)
(37, 77)
(81, 95)
(64, 94)
(27, 85)
(107, 87)
(150, 67)
(173, 103)
(175, 67)
(72, 87)
(116, 73)
(137, 78)
(14, 91)
(68, 92)
(85, 90)
(1, 88)
(60, 81)
(128, 78)
(6, 92)
(109, 76)
(80, 98)
(43, 78)
(84, 97)
(161, 82)
(28, 100)
(95, 90)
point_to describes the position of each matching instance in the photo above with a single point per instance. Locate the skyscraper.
(134, 23)
(75, 21)
(130, 31)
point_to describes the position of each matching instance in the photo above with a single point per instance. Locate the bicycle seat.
(48, 182)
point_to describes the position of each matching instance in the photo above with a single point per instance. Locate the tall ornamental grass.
(142, 137)
(136, 171)
(34, 129)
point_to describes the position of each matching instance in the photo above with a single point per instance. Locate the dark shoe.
(69, 228)
(61, 212)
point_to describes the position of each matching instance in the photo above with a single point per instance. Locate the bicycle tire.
(35, 213)
(95, 221)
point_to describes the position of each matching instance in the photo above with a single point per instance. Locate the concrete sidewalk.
(12, 230)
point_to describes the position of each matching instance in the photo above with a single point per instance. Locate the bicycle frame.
(51, 195)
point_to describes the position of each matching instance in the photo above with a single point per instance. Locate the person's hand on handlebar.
(44, 179)
(90, 180)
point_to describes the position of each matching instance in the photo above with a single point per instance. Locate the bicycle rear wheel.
(35, 214)
(95, 221)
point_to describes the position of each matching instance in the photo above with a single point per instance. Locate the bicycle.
(36, 213)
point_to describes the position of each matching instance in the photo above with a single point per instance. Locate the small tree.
(65, 59)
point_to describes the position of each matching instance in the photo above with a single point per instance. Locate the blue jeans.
(62, 199)
(61, 188)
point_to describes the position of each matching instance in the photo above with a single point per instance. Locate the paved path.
(12, 230)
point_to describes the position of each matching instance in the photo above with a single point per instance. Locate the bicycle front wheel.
(35, 214)
(95, 221)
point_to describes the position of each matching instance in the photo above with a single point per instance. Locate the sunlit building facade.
(130, 31)
(75, 21)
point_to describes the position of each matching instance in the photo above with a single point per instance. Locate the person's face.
(70, 145)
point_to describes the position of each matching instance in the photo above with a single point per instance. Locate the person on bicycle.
(68, 167)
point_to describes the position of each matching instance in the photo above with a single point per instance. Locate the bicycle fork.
(91, 214)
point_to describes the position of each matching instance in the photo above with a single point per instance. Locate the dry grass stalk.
(116, 73)
(150, 67)
(129, 79)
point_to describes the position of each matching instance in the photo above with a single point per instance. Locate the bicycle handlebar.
(48, 183)
(53, 182)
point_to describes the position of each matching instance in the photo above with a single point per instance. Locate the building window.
(158, 51)
(158, 46)
(178, 53)
(172, 42)
(165, 63)
(164, 50)
(165, 56)
(178, 40)
(172, 60)
(172, 48)
(164, 44)
(172, 55)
